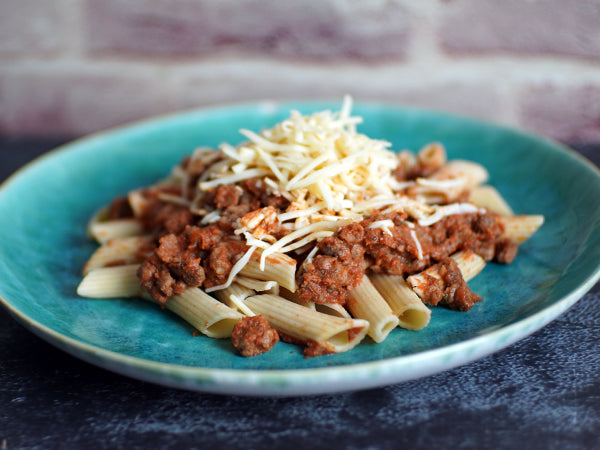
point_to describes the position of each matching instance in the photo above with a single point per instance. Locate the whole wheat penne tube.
(469, 263)
(432, 155)
(101, 215)
(473, 173)
(271, 287)
(294, 297)
(204, 313)
(110, 282)
(137, 202)
(207, 315)
(449, 182)
(488, 197)
(333, 309)
(289, 295)
(521, 228)
(234, 296)
(334, 333)
(116, 250)
(119, 228)
(412, 313)
(280, 268)
(364, 302)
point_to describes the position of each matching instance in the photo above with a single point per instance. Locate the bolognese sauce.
(348, 208)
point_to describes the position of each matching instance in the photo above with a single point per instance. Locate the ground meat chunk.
(220, 261)
(343, 258)
(450, 290)
(329, 279)
(156, 278)
(218, 265)
(475, 232)
(205, 237)
(506, 250)
(174, 266)
(227, 195)
(334, 246)
(352, 234)
(311, 348)
(486, 248)
(486, 225)
(396, 252)
(388, 260)
(335, 272)
(256, 190)
(162, 218)
(314, 348)
(191, 272)
(252, 336)
(185, 254)
(232, 215)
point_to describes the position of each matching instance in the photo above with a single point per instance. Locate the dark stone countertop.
(542, 392)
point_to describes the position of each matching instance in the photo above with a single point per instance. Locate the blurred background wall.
(69, 67)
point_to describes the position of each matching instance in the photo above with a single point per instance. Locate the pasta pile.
(318, 175)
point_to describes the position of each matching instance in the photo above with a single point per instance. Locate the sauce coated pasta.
(308, 232)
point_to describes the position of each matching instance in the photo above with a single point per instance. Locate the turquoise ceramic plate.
(44, 209)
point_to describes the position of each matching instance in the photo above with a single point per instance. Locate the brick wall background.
(69, 67)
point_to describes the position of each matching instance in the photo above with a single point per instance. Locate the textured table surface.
(542, 392)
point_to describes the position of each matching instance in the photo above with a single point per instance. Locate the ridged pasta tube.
(334, 333)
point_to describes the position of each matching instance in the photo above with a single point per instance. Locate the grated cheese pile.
(331, 174)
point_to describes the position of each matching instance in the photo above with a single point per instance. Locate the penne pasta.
(333, 309)
(449, 182)
(300, 225)
(472, 173)
(110, 282)
(521, 228)
(335, 334)
(204, 313)
(412, 313)
(234, 296)
(366, 303)
(469, 263)
(137, 202)
(280, 268)
(488, 197)
(116, 251)
(207, 315)
(120, 228)
(432, 155)
(258, 285)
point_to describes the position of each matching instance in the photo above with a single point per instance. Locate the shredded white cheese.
(413, 234)
(447, 210)
(331, 175)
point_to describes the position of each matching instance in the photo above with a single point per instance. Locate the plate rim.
(265, 382)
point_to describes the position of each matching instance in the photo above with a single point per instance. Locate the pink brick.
(325, 29)
(568, 114)
(70, 104)
(523, 26)
(30, 26)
